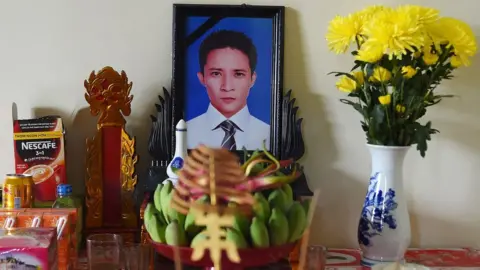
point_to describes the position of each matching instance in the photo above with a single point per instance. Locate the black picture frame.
(216, 12)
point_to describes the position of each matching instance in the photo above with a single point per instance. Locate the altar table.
(349, 259)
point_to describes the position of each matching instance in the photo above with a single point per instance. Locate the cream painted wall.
(49, 47)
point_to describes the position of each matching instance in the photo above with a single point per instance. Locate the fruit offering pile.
(276, 220)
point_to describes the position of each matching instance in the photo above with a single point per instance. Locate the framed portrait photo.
(228, 75)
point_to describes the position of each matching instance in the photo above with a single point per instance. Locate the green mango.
(198, 238)
(237, 238)
(190, 227)
(240, 221)
(297, 220)
(175, 234)
(149, 211)
(154, 227)
(259, 233)
(261, 208)
(287, 189)
(175, 215)
(242, 224)
(165, 199)
(278, 228)
(158, 232)
(157, 198)
(278, 199)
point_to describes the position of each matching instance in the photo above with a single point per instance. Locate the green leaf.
(422, 135)
(364, 126)
(376, 121)
(369, 70)
(355, 105)
(357, 65)
(443, 96)
(354, 94)
(337, 74)
(245, 153)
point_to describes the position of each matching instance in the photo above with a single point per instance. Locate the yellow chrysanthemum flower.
(395, 31)
(461, 39)
(430, 56)
(359, 76)
(380, 74)
(455, 61)
(342, 32)
(385, 100)
(408, 72)
(435, 32)
(400, 108)
(456, 34)
(423, 15)
(369, 54)
(367, 14)
(346, 84)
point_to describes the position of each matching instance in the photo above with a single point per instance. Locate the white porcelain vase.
(384, 227)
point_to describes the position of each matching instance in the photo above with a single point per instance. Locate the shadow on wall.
(458, 123)
(140, 125)
(426, 229)
(336, 217)
(462, 130)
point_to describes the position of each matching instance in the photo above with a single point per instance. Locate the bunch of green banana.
(162, 222)
(277, 220)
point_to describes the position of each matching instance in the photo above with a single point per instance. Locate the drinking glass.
(316, 258)
(104, 252)
(137, 256)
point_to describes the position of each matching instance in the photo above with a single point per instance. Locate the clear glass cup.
(316, 258)
(104, 252)
(137, 256)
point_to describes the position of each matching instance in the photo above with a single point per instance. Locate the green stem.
(401, 90)
(385, 92)
(440, 62)
(358, 42)
(388, 123)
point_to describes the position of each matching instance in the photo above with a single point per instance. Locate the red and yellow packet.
(29, 220)
(60, 220)
(64, 220)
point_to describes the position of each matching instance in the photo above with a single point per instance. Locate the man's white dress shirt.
(252, 133)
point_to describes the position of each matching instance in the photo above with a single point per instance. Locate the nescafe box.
(39, 146)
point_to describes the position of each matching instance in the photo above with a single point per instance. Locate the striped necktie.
(228, 141)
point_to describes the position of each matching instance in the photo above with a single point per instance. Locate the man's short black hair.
(228, 39)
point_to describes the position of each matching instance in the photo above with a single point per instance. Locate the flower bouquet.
(400, 56)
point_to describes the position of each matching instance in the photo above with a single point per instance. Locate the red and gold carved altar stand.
(111, 157)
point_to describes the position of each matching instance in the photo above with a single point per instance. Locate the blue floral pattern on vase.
(377, 212)
(177, 164)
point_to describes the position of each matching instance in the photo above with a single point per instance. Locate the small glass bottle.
(65, 199)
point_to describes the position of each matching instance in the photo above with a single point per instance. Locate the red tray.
(251, 257)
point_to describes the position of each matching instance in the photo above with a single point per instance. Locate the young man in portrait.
(227, 70)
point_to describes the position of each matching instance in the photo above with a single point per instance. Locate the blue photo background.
(260, 30)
